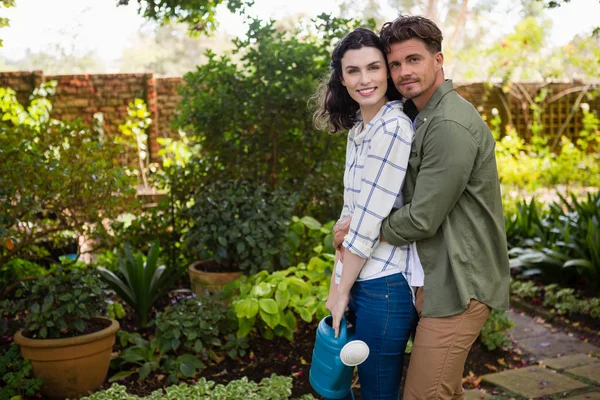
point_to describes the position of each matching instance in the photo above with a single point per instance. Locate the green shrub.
(307, 236)
(493, 333)
(59, 305)
(273, 388)
(193, 325)
(61, 179)
(15, 374)
(272, 302)
(242, 226)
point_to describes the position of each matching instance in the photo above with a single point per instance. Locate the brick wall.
(81, 96)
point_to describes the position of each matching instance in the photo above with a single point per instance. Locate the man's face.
(415, 71)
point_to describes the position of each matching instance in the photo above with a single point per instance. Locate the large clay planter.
(71, 366)
(213, 282)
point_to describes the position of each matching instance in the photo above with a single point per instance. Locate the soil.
(293, 358)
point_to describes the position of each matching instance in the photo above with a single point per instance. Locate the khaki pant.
(439, 352)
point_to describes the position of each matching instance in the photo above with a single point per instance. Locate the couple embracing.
(421, 240)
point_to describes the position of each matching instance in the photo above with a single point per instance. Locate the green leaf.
(269, 306)
(311, 223)
(305, 314)
(262, 289)
(145, 370)
(187, 370)
(120, 375)
(272, 320)
(246, 308)
(282, 299)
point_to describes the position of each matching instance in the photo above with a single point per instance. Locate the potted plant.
(65, 335)
(235, 227)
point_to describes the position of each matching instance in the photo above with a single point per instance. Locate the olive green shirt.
(453, 208)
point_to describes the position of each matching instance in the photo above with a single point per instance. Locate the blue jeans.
(384, 316)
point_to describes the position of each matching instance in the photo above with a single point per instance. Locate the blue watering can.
(334, 359)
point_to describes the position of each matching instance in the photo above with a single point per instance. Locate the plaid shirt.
(376, 161)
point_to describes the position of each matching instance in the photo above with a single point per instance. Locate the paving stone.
(553, 345)
(533, 382)
(570, 361)
(526, 327)
(586, 396)
(587, 371)
(476, 394)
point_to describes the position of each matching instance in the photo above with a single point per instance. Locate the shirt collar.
(433, 102)
(357, 135)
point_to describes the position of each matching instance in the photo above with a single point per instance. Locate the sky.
(100, 26)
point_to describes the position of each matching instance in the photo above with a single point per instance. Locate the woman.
(372, 280)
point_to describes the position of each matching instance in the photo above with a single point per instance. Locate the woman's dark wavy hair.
(336, 110)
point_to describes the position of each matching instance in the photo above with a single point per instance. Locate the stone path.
(568, 368)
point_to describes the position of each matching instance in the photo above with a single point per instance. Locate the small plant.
(493, 333)
(191, 325)
(145, 357)
(143, 281)
(15, 376)
(242, 226)
(273, 388)
(276, 299)
(60, 305)
(306, 234)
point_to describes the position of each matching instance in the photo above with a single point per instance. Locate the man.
(453, 211)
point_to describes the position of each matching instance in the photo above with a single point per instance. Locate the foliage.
(569, 249)
(563, 301)
(251, 118)
(116, 310)
(146, 357)
(199, 15)
(192, 325)
(4, 21)
(143, 282)
(135, 137)
(58, 180)
(307, 235)
(59, 305)
(524, 224)
(270, 303)
(494, 331)
(15, 376)
(273, 388)
(240, 225)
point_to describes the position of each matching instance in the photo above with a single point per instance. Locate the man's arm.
(449, 153)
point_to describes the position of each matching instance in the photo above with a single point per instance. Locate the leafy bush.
(493, 333)
(193, 325)
(60, 179)
(563, 301)
(567, 249)
(251, 117)
(15, 374)
(146, 357)
(271, 302)
(273, 388)
(240, 225)
(143, 281)
(59, 305)
(307, 235)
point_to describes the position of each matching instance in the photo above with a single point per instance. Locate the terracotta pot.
(202, 281)
(71, 366)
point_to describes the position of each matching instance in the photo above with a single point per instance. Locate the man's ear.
(439, 61)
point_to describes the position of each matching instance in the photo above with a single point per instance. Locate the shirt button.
(386, 296)
(424, 119)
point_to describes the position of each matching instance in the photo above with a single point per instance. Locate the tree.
(4, 21)
(558, 3)
(169, 51)
(251, 117)
(199, 15)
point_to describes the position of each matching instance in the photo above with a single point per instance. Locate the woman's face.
(364, 74)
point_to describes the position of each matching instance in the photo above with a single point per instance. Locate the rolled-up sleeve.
(381, 183)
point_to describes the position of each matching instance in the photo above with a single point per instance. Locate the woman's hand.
(340, 303)
(340, 230)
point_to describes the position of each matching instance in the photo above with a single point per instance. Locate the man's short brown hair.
(407, 27)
